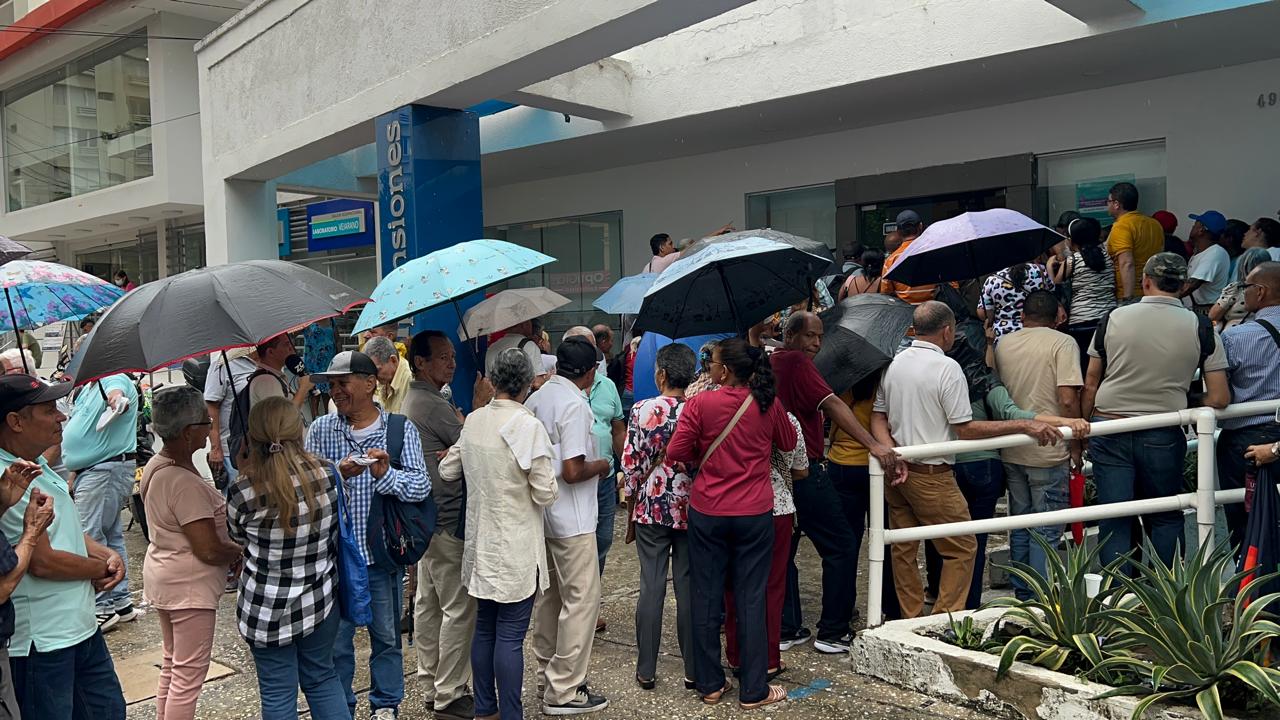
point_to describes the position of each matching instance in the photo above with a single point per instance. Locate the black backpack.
(398, 531)
(238, 428)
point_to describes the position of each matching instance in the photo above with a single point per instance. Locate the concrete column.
(162, 250)
(239, 221)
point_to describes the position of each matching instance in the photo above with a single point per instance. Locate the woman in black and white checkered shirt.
(282, 508)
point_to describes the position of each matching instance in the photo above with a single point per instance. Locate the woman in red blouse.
(729, 435)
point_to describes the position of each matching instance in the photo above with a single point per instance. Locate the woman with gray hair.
(505, 453)
(1229, 310)
(185, 568)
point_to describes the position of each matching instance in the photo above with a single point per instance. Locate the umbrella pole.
(467, 338)
(17, 334)
(733, 306)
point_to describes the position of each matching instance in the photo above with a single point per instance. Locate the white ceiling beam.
(599, 91)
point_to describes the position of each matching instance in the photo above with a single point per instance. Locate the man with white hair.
(394, 374)
(609, 430)
(11, 360)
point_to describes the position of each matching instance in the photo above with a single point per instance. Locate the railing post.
(1206, 473)
(875, 546)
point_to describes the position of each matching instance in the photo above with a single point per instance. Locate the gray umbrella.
(813, 247)
(205, 310)
(12, 250)
(862, 335)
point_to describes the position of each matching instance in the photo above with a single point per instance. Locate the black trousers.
(736, 549)
(1232, 468)
(821, 516)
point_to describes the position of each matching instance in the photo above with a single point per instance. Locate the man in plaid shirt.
(358, 431)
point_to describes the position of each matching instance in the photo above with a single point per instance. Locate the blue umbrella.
(626, 295)
(444, 276)
(647, 355)
(40, 293)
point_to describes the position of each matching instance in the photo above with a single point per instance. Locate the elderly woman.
(1230, 310)
(186, 563)
(658, 500)
(506, 456)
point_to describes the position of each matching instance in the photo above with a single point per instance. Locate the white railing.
(1205, 499)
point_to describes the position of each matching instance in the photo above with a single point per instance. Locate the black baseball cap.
(575, 357)
(908, 217)
(20, 391)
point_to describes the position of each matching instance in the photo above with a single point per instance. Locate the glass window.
(137, 259)
(1079, 180)
(184, 248)
(588, 252)
(809, 212)
(83, 127)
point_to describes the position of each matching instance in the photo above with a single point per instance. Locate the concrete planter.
(903, 653)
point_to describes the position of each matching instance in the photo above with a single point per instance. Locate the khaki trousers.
(930, 500)
(565, 616)
(444, 621)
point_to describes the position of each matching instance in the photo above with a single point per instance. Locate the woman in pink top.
(185, 569)
(729, 436)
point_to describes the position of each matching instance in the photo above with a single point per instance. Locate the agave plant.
(963, 633)
(1064, 623)
(1195, 633)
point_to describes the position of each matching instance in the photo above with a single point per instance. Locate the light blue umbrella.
(444, 276)
(626, 295)
(41, 293)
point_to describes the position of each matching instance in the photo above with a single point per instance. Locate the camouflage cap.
(1166, 265)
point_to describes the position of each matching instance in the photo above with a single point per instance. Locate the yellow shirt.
(1139, 234)
(391, 398)
(844, 449)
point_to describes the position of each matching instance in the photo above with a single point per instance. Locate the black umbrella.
(1261, 551)
(201, 311)
(728, 287)
(862, 335)
(972, 245)
(12, 250)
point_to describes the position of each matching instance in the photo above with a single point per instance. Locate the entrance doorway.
(876, 220)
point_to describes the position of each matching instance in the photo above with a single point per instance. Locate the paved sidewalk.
(821, 686)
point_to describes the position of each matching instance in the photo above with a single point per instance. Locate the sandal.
(646, 684)
(776, 695)
(775, 672)
(715, 697)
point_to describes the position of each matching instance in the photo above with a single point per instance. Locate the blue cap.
(1213, 221)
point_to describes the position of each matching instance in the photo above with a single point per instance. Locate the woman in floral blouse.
(659, 497)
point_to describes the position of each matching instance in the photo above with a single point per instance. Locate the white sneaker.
(129, 614)
(383, 714)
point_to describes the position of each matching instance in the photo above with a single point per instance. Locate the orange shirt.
(914, 294)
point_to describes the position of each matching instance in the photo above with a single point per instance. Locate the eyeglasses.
(1247, 285)
(715, 362)
(206, 422)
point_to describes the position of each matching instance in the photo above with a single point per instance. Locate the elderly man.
(444, 613)
(103, 463)
(1253, 366)
(11, 361)
(394, 373)
(353, 437)
(604, 343)
(566, 612)
(525, 336)
(390, 331)
(61, 666)
(924, 398)
(819, 513)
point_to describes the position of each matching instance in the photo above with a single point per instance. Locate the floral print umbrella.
(40, 293)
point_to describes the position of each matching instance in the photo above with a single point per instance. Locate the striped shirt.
(1093, 292)
(1253, 365)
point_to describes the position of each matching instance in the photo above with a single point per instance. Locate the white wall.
(1223, 153)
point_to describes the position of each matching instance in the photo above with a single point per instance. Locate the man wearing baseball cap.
(1142, 361)
(56, 640)
(1210, 266)
(355, 437)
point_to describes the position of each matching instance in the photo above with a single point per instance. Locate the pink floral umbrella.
(41, 293)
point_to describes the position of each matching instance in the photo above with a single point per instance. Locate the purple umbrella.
(972, 245)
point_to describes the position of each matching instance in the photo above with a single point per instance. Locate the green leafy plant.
(963, 633)
(1196, 636)
(1064, 625)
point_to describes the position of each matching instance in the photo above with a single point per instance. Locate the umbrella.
(1261, 551)
(446, 275)
(862, 335)
(206, 310)
(728, 287)
(39, 293)
(12, 250)
(626, 295)
(972, 245)
(645, 386)
(813, 247)
(508, 308)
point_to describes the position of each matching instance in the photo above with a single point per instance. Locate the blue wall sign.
(339, 224)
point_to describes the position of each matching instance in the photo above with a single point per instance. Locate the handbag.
(355, 605)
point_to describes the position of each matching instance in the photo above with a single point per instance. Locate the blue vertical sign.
(429, 198)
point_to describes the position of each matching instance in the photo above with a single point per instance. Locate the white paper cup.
(1092, 584)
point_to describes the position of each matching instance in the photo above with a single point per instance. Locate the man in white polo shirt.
(565, 614)
(924, 398)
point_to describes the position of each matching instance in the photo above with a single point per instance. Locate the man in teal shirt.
(61, 666)
(104, 463)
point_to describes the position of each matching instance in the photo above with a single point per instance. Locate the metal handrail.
(1205, 499)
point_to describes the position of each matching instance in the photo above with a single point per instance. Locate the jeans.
(1139, 466)
(982, 484)
(497, 656)
(736, 549)
(75, 683)
(607, 495)
(306, 662)
(100, 492)
(853, 485)
(1233, 469)
(821, 517)
(1033, 490)
(386, 662)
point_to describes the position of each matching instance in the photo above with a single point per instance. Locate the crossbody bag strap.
(742, 409)
(1271, 330)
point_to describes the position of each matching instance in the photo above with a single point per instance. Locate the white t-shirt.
(924, 393)
(564, 412)
(510, 341)
(1213, 266)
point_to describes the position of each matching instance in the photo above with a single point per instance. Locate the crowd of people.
(740, 452)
